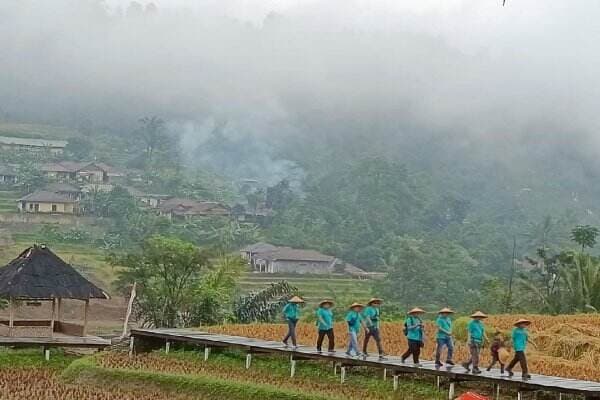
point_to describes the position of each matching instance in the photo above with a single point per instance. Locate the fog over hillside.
(472, 74)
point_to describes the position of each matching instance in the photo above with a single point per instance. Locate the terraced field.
(313, 287)
(8, 200)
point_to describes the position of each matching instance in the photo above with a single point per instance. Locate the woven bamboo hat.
(445, 310)
(417, 310)
(523, 321)
(296, 299)
(375, 300)
(357, 305)
(478, 314)
(326, 301)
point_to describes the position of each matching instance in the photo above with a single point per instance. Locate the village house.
(64, 189)
(268, 258)
(32, 145)
(8, 175)
(147, 199)
(83, 172)
(176, 208)
(48, 202)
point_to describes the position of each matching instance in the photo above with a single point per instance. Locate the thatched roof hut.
(40, 275)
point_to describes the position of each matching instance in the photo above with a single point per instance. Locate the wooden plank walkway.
(58, 340)
(392, 364)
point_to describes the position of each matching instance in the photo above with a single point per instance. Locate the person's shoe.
(294, 347)
(285, 345)
(466, 366)
(417, 365)
(510, 373)
(319, 351)
(526, 376)
(488, 369)
(438, 364)
(330, 351)
(349, 355)
(476, 371)
(403, 361)
(382, 357)
(365, 354)
(501, 371)
(450, 362)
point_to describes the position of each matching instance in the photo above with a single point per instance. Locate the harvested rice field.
(566, 345)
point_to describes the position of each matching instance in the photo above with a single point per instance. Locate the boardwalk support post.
(451, 391)
(131, 345)
(519, 395)
(396, 379)
(497, 387)
(385, 374)
(343, 374)
(335, 368)
(292, 367)
(167, 347)
(206, 353)
(47, 353)
(248, 360)
(438, 382)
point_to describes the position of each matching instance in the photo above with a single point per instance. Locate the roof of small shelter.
(38, 273)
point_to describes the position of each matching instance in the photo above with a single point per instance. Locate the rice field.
(566, 346)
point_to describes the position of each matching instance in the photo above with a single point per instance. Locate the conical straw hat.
(446, 310)
(296, 299)
(478, 314)
(416, 310)
(375, 300)
(356, 305)
(523, 321)
(326, 301)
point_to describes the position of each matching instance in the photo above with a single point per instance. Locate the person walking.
(497, 346)
(476, 333)
(444, 337)
(413, 329)
(291, 313)
(325, 325)
(520, 337)
(371, 317)
(354, 320)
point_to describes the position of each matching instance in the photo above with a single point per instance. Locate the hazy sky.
(467, 67)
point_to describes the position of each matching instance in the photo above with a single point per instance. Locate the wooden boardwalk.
(391, 365)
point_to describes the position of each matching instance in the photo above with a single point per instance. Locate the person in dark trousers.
(413, 329)
(497, 344)
(520, 337)
(371, 318)
(325, 325)
(444, 337)
(355, 321)
(291, 313)
(476, 331)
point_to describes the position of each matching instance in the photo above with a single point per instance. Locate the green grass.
(86, 371)
(312, 288)
(33, 358)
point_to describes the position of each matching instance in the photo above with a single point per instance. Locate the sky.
(466, 69)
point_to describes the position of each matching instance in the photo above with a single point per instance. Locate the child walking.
(497, 344)
(520, 336)
(354, 320)
(291, 313)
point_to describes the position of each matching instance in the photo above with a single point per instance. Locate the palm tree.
(585, 236)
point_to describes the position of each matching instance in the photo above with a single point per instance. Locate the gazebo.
(38, 275)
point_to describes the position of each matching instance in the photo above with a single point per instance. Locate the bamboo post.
(11, 316)
(53, 316)
(85, 316)
(451, 391)
(385, 374)
(206, 353)
(59, 313)
(167, 347)
(396, 378)
(131, 346)
(248, 360)
(129, 309)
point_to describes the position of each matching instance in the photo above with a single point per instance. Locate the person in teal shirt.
(520, 337)
(354, 320)
(413, 326)
(291, 314)
(372, 316)
(325, 325)
(476, 332)
(444, 337)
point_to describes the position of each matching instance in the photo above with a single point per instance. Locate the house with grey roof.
(8, 174)
(32, 145)
(48, 202)
(83, 172)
